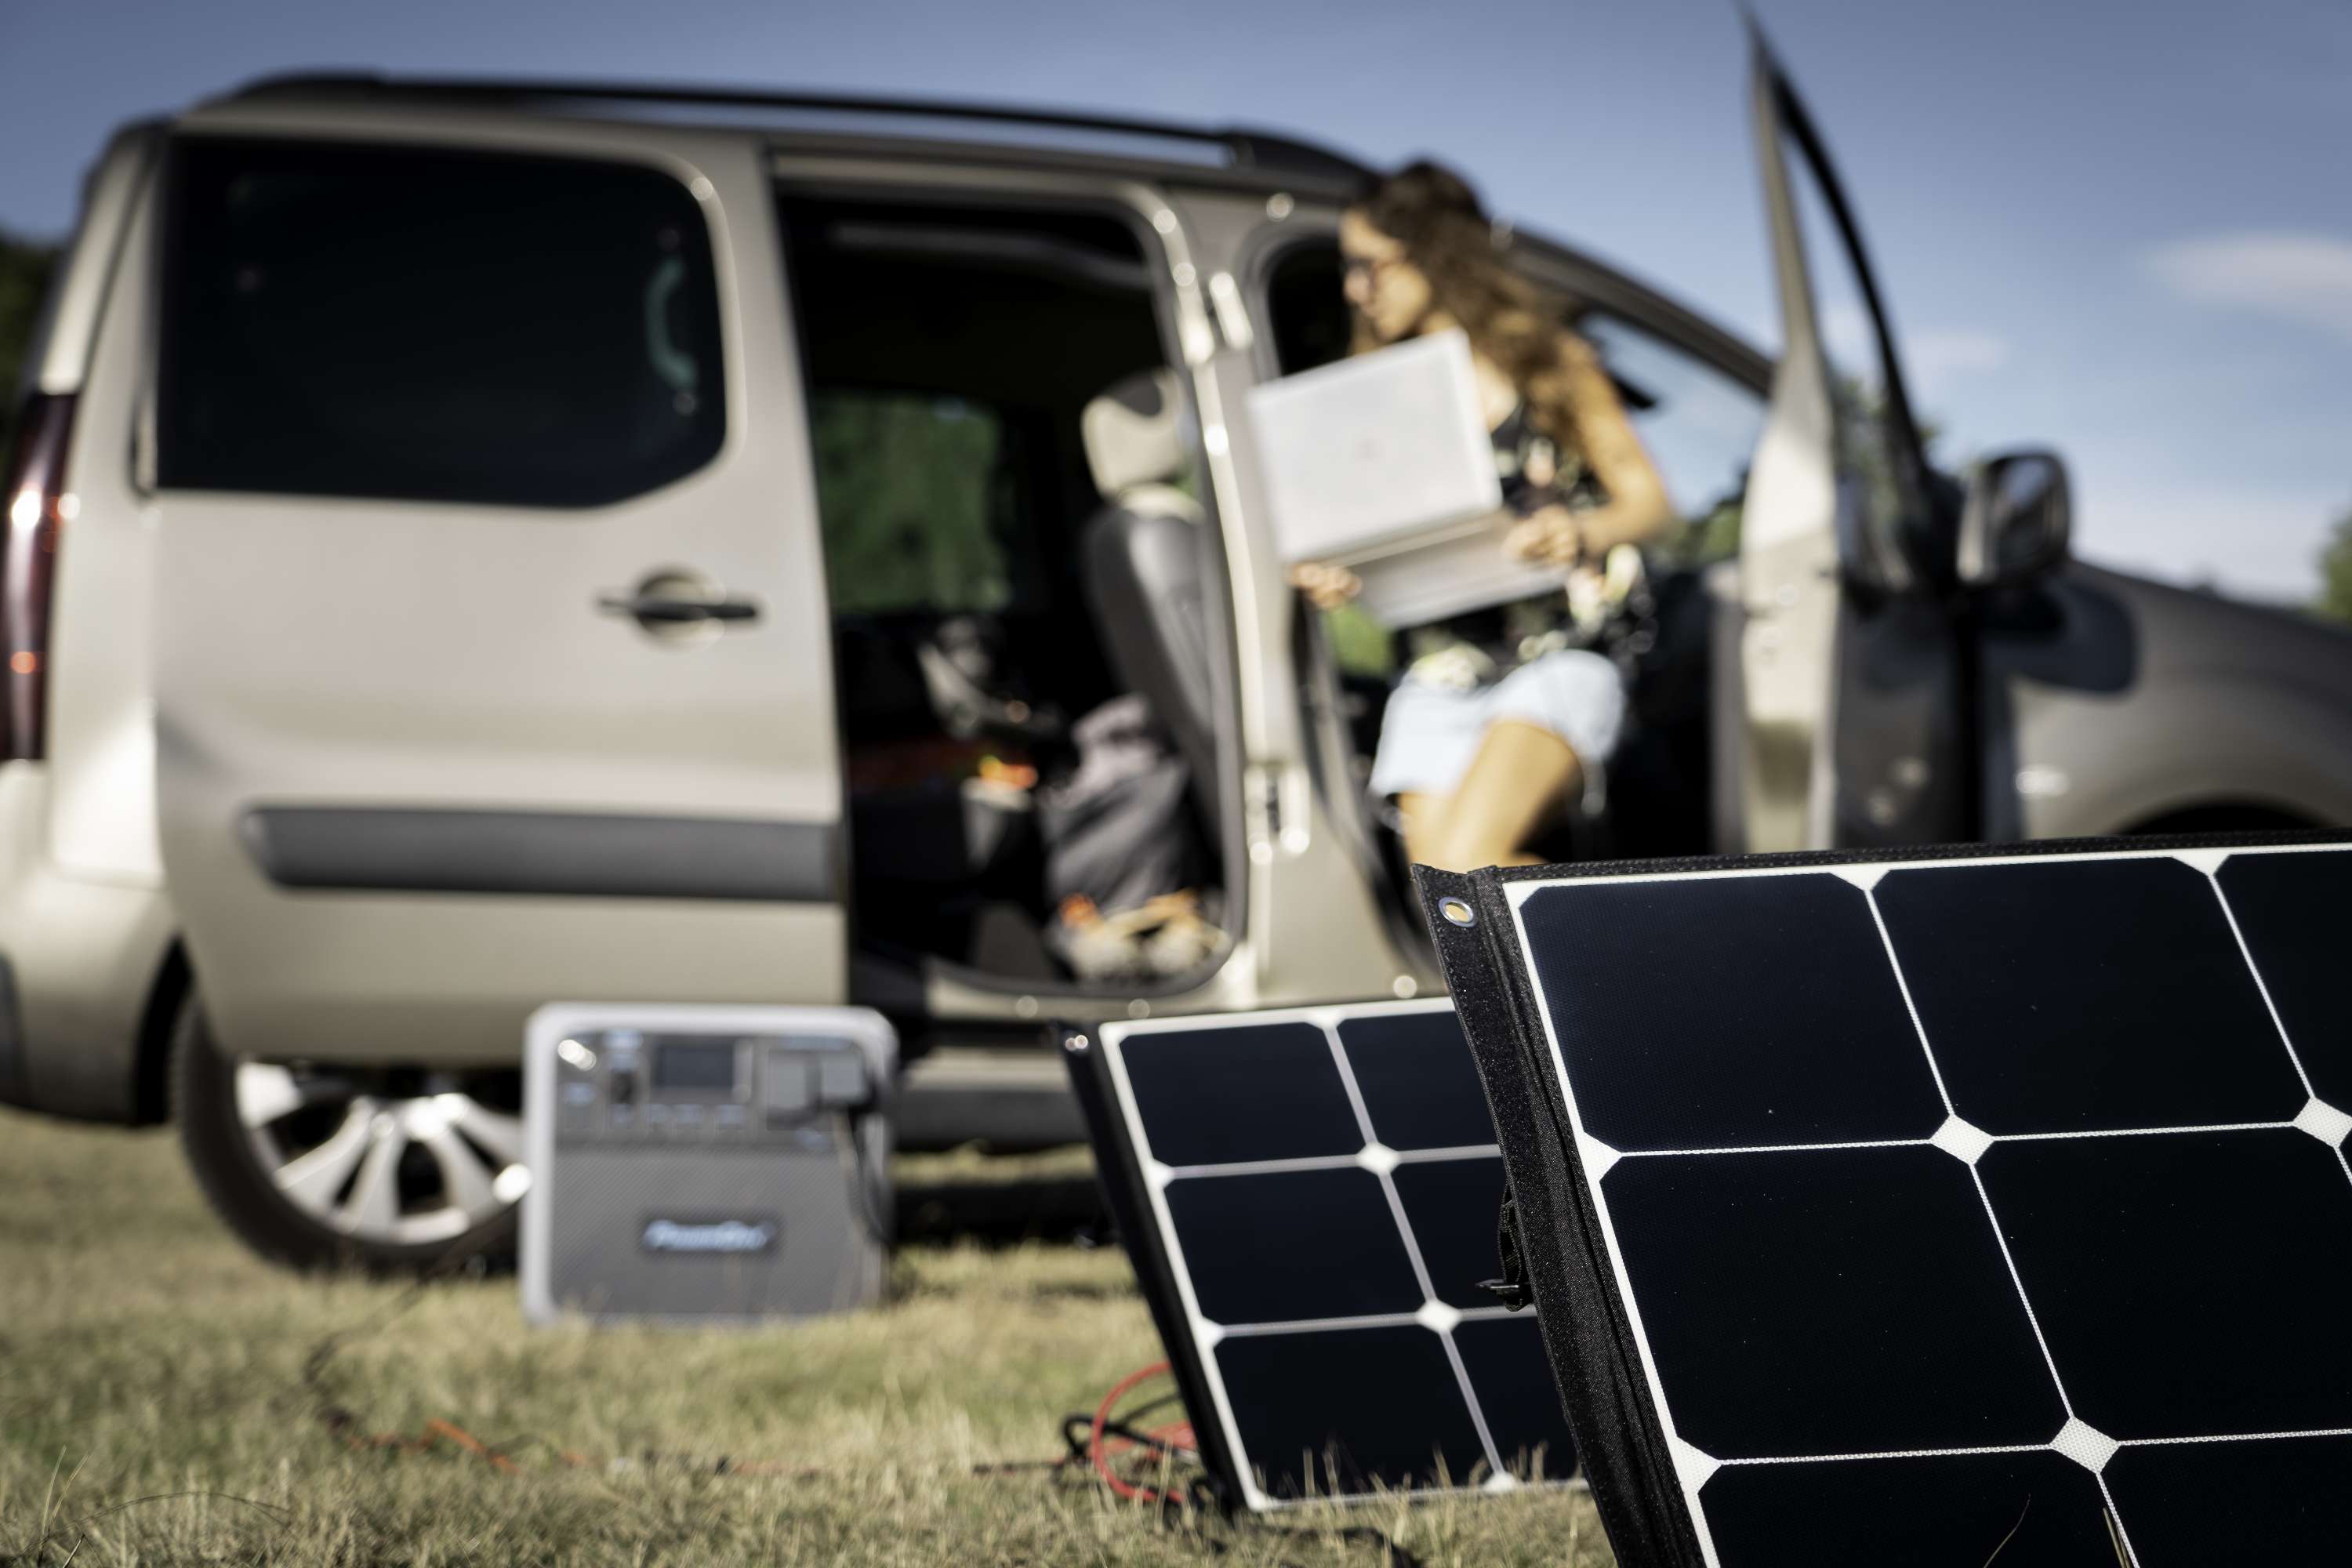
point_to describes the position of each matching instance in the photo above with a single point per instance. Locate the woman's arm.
(1637, 508)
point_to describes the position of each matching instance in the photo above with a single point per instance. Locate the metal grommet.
(1457, 911)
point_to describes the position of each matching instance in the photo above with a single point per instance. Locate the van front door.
(492, 638)
(1851, 661)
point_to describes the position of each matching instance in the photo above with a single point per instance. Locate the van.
(473, 545)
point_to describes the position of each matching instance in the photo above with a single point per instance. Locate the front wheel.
(323, 1165)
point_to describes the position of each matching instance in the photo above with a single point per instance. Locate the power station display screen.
(695, 1067)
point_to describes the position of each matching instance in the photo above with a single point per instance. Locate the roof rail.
(1245, 147)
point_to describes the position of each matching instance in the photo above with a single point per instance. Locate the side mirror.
(2017, 521)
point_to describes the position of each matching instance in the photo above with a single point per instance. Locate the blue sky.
(2123, 229)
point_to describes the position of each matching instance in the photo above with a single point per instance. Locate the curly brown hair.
(1519, 326)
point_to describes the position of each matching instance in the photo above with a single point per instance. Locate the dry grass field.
(153, 1410)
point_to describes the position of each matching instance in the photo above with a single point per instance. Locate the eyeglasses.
(1368, 267)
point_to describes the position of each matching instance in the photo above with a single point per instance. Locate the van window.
(431, 325)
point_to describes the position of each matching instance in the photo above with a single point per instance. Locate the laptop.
(1382, 463)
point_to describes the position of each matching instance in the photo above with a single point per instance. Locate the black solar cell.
(1730, 1013)
(2074, 995)
(1417, 1098)
(1296, 1104)
(2290, 911)
(1974, 1206)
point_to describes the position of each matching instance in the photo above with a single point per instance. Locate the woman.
(1476, 763)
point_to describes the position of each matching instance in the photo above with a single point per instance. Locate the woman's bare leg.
(1519, 775)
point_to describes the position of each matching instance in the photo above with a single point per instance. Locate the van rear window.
(431, 325)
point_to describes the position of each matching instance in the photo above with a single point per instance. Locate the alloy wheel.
(398, 1159)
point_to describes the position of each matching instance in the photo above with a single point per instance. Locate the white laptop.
(1382, 463)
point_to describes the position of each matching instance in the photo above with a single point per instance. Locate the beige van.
(477, 544)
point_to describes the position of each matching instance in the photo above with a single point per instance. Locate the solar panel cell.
(1292, 1246)
(1967, 1510)
(1736, 1013)
(1269, 1093)
(2291, 909)
(1335, 1412)
(1505, 1360)
(2196, 1504)
(1450, 1205)
(1417, 1097)
(1825, 1302)
(2079, 996)
(2187, 1283)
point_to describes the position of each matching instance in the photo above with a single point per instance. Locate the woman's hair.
(1432, 212)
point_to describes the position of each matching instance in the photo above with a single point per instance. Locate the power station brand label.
(709, 1236)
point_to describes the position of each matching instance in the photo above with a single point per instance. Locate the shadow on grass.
(1003, 1214)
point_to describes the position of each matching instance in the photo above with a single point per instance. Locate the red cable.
(1095, 1450)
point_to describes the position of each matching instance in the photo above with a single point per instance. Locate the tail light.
(38, 506)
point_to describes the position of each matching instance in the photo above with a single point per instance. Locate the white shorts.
(1430, 732)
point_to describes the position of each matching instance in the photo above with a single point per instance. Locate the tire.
(388, 1171)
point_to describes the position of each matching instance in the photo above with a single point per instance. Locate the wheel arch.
(150, 1061)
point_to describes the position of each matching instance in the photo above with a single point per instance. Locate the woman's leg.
(1517, 778)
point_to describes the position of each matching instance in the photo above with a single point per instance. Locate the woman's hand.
(1551, 537)
(1326, 584)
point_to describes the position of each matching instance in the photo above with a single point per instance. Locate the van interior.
(984, 603)
(951, 354)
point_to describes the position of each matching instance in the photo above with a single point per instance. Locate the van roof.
(1235, 156)
(1233, 153)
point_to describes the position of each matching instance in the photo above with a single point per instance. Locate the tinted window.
(1699, 426)
(434, 326)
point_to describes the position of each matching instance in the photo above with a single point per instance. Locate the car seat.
(1145, 560)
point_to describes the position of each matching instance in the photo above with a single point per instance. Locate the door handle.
(666, 610)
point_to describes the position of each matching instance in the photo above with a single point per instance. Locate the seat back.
(1146, 580)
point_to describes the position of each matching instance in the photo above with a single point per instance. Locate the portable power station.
(705, 1163)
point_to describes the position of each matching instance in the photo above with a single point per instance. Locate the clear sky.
(2119, 227)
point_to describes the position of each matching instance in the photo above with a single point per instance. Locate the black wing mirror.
(2017, 521)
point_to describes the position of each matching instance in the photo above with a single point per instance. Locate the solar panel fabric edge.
(1497, 988)
(1596, 1365)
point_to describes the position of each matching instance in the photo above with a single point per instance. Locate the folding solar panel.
(1979, 1207)
(1311, 1200)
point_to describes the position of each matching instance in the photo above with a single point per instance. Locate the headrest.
(1131, 433)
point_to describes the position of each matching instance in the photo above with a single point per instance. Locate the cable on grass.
(1166, 1443)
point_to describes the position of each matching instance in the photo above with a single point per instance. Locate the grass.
(152, 1411)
